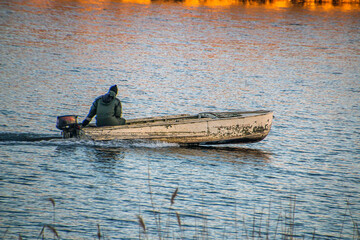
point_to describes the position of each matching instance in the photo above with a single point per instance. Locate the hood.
(107, 98)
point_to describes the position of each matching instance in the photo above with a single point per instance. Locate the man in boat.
(107, 109)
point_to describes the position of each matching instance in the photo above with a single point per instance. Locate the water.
(173, 58)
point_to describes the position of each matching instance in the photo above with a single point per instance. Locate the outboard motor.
(68, 125)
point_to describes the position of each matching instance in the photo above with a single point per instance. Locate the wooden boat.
(200, 129)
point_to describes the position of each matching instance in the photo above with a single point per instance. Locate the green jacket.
(108, 110)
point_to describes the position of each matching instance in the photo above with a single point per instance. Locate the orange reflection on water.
(326, 5)
(211, 3)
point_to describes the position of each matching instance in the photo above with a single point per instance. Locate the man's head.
(114, 89)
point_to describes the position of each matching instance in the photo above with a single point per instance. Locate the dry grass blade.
(52, 201)
(7, 229)
(356, 230)
(42, 231)
(174, 196)
(99, 232)
(142, 223)
(178, 219)
(52, 229)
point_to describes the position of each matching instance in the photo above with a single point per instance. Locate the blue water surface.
(174, 58)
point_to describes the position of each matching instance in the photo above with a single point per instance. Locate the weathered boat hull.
(203, 128)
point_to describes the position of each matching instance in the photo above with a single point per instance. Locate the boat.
(207, 128)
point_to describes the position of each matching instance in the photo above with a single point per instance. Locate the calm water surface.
(172, 58)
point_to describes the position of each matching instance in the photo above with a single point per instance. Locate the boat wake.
(25, 137)
(223, 153)
(35, 139)
(9, 138)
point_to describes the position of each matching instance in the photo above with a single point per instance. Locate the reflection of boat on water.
(200, 129)
(226, 154)
(230, 154)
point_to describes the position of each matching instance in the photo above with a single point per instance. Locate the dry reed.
(99, 232)
(52, 202)
(156, 215)
(174, 196)
(51, 228)
(178, 219)
(142, 223)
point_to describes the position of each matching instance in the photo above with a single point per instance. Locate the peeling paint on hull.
(203, 128)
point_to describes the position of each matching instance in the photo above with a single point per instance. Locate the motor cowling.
(69, 126)
(66, 122)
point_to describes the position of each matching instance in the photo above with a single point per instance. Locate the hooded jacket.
(108, 110)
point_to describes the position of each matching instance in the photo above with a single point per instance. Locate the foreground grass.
(261, 225)
(282, 228)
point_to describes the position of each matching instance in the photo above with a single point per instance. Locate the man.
(107, 109)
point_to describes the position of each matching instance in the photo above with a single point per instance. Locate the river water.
(301, 61)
